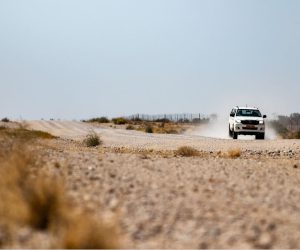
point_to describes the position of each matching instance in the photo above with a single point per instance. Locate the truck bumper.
(246, 130)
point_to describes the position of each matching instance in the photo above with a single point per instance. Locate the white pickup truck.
(246, 121)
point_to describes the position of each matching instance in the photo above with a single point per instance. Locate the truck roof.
(246, 107)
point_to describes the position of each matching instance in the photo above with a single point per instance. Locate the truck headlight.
(261, 122)
(238, 121)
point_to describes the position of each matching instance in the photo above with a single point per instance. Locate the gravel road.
(185, 202)
(119, 137)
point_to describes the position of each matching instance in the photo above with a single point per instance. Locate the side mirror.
(264, 116)
(232, 115)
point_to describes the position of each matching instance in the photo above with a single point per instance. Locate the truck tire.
(234, 135)
(229, 131)
(260, 136)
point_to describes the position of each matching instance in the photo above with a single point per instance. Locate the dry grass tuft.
(187, 151)
(13, 173)
(92, 140)
(234, 153)
(32, 197)
(86, 232)
(26, 199)
(47, 202)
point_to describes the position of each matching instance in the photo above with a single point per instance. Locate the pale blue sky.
(78, 59)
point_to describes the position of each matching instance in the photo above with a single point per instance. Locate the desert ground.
(162, 199)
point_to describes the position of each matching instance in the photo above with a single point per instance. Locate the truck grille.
(250, 128)
(250, 122)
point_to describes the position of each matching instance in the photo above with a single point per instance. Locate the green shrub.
(119, 121)
(99, 120)
(92, 140)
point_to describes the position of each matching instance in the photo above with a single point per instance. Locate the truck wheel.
(260, 136)
(229, 132)
(234, 135)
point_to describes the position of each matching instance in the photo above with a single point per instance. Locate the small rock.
(264, 241)
(112, 175)
(271, 227)
(203, 245)
(24, 234)
(57, 165)
(295, 166)
(113, 203)
(94, 178)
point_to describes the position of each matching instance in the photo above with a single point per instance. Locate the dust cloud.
(218, 128)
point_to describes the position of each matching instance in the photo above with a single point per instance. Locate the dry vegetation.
(34, 197)
(187, 151)
(183, 151)
(130, 127)
(231, 153)
(92, 140)
(23, 133)
(288, 127)
(144, 153)
(163, 126)
(234, 153)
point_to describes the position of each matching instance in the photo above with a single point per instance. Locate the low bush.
(129, 127)
(164, 120)
(293, 135)
(5, 119)
(86, 232)
(187, 151)
(46, 201)
(119, 121)
(149, 129)
(92, 140)
(99, 120)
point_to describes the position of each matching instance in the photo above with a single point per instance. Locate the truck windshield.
(248, 112)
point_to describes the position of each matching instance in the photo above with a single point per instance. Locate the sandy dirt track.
(185, 202)
(130, 138)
